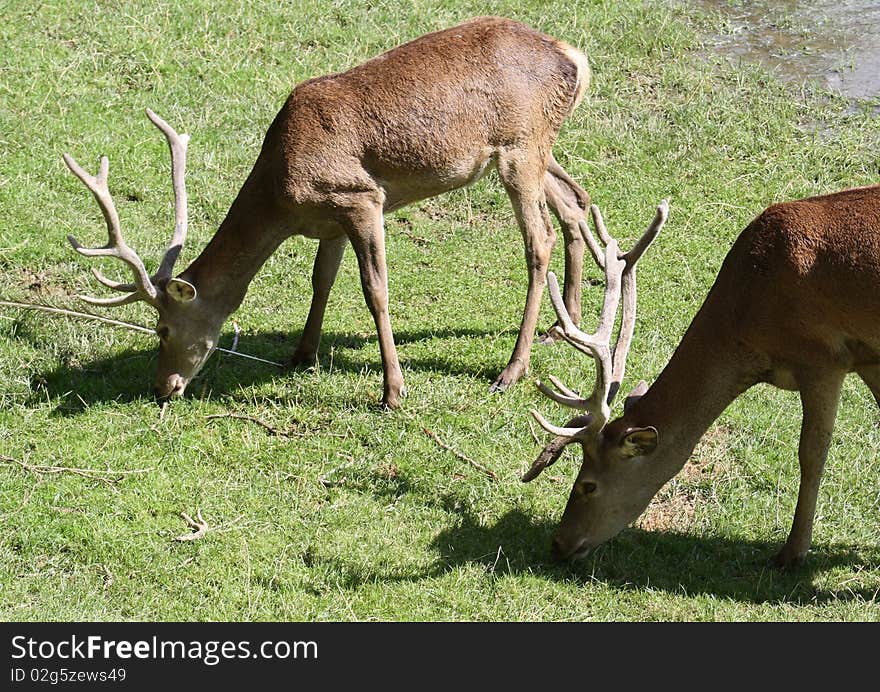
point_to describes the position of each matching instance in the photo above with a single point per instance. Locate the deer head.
(187, 336)
(614, 484)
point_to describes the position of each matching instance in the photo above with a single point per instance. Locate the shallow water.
(834, 42)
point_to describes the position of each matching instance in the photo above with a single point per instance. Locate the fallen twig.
(199, 524)
(532, 432)
(463, 457)
(251, 419)
(109, 477)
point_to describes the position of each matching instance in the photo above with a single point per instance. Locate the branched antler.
(144, 287)
(620, 284)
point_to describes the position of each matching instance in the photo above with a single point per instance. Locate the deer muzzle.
(563, 550)
(170, 387)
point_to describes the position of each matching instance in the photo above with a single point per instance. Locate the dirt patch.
(387, 470)
(711, 458)
(673, 508)
(43, 284)
(672, 513)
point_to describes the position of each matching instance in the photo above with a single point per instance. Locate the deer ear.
(181, 291)
(639, 442)
(637, 393)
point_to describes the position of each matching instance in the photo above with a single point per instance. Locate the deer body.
(427, 117)
(796, 304)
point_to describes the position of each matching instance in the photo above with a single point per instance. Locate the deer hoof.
(302, 361)
(787, 559)
(499, 386)
(508, 377)
(393, 400)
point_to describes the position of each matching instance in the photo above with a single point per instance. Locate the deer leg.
(870, 375)
(820, 394)
(366, 231)
(530, 208)
(327, 261)
(569, 203)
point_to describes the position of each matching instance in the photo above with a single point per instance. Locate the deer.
(795, 304)
(432, 115)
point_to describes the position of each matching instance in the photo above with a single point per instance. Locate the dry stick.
(199, 524)
(463, 457)
(92, 474)
(120, 323)
(251, 419)
(532, 433)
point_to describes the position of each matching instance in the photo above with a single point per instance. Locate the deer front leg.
(367, 234)
(327, 261)
(820, 394)
(530, 207)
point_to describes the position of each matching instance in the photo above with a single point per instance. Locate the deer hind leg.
(870, 375)
(820, 394)
(327, 261)
(570, 203)
(366, 230)
(523, 180)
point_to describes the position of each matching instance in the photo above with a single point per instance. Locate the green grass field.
(355, 513)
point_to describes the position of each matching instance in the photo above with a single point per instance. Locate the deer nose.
(174, 386)
(557, 550)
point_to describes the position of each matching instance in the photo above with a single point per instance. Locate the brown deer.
(427, 117)
(796, 304)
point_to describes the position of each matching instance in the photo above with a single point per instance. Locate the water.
(834, 42)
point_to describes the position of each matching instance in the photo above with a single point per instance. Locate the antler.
(177, 146)
(620, 278)
(145, 287)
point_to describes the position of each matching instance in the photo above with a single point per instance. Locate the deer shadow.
(677, 563)
(128, 376)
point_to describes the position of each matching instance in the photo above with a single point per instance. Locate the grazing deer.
(427, 117)
(796, 304)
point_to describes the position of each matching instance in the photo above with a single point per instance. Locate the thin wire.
(74, 313)
(118, 323)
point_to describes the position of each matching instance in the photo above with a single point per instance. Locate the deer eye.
(587, 487)
(162, 332)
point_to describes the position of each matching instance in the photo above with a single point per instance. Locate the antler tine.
(572, 433)
(177, 145)
(592, 244)
(548, 456)
(561, 387)
(143, 288)
(553, 449)
(648, 236)
(628, 318)
(115, 285)
(599, 223)
(572, 401)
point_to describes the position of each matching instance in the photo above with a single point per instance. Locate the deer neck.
(249, 234)
(705, 374)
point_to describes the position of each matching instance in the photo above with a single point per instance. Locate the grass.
(358, 513)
